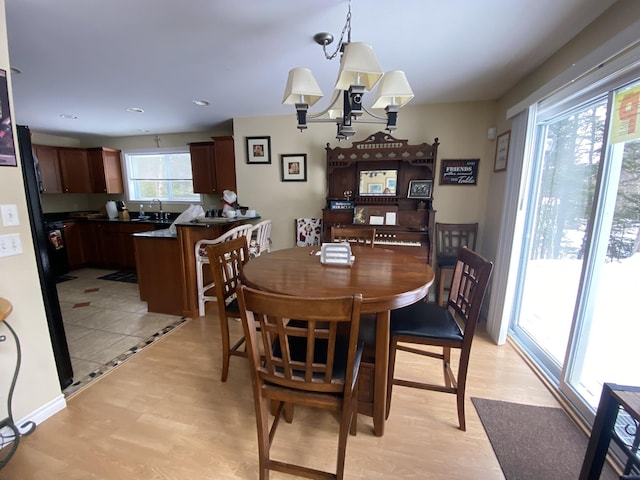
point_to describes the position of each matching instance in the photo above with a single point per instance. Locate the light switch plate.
(9, 215)
(10, 245)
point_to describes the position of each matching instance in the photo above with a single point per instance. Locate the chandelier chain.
(346, 29)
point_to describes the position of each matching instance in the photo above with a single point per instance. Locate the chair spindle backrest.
(469, 284)
(324, 363)
(226, 260)
(451, 237)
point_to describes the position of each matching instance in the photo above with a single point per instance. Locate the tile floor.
(104, 319)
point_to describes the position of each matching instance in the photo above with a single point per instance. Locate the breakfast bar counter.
(166, 264)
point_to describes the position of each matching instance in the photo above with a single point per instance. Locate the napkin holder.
(336, 254)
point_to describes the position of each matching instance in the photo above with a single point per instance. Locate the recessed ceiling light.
(201, 103)
(143, 131)
(15, 70)
(135, 110)
(68, 116)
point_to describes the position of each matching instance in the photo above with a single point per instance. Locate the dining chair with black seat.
(360, 236)
(226, 260)
(450, 238)
(312, 360)
(450, 327)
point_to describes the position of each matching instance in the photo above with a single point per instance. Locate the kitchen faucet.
(160, 214)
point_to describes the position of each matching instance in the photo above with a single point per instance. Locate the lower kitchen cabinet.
(159, 270)
(75, 245)
(107, 244)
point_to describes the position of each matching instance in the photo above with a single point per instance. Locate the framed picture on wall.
(294, 167)
(502, 151)
(7, 150)
(258, 149)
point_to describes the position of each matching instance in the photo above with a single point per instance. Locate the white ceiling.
(95, 58)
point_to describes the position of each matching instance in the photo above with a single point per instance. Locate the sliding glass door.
(575, 310)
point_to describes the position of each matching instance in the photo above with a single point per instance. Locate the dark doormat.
(64, 278)
(534, 443)
(124, 276)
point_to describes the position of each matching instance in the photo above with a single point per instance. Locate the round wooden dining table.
(386, 279)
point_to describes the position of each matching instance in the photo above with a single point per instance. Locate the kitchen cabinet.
(79, 170)
(115, 243)
(74, 168)
(213, 165)
(73, 237)
(91, 243)
(159, 282)
(106, 170)
(49, 168)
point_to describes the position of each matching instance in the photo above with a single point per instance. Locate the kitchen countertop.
(204, 222)
(201, 222)
(164, 233)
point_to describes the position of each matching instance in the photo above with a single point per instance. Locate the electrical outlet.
(10, 245)
(9, 215)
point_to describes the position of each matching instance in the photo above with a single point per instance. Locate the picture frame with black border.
(420, 189)
(294, 167)
(258, 150)
(8, 156)
(502, 151)
(459, 172)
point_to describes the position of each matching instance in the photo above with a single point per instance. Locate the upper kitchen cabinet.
(49, 168)
(106, 170)
(74, 168)
(213, 165)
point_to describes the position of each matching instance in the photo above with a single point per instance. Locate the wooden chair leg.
(264, 444)
(460, 393)
(345, 427)
(354, 409)
(446, 363)
(224, 329)
(391, 370)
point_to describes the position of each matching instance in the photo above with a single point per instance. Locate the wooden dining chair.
(447, 327)
(360, 236)
(226, 260)
(450, 238)
(202, 260)
(312, 360)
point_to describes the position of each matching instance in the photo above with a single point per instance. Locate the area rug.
(120, 359)
(124, 276)
(534, 443)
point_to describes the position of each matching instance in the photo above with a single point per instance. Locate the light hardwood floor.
(164, 414)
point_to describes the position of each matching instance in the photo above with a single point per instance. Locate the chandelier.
(359, 73)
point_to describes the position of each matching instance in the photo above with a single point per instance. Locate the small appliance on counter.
(123, 211)
(112, 209)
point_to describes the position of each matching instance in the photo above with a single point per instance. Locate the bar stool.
(5, 310)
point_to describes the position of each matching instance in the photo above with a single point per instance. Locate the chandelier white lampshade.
(394, 89)
(358, 66)
(301, 87)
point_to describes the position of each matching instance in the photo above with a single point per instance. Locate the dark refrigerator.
(46, 272)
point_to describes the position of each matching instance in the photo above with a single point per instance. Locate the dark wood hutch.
(349, 169)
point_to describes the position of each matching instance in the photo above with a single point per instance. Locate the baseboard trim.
(46, 411)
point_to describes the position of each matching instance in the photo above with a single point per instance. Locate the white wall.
(461, 129)
(37, 383)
